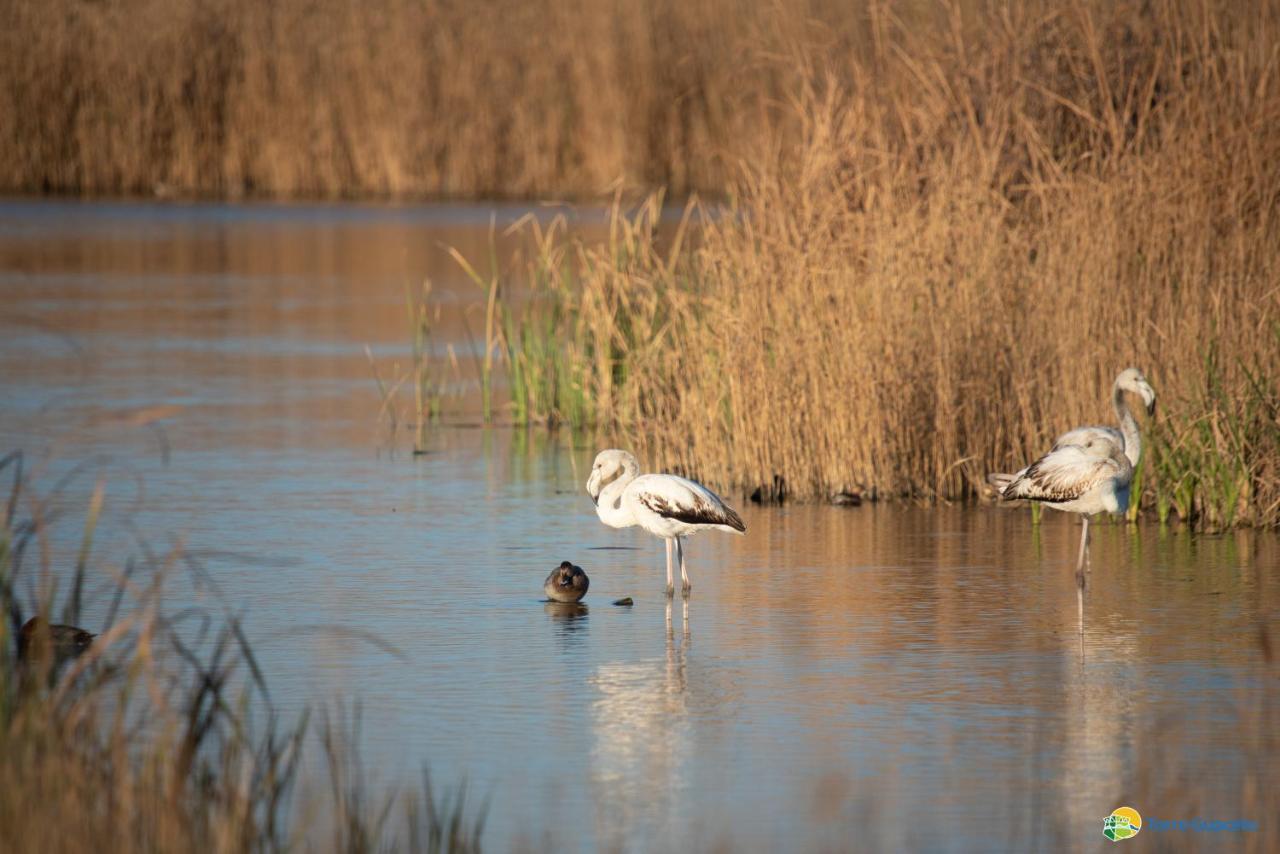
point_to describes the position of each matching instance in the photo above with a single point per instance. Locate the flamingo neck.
(609, 505)
(1128, 427)
(1116, 500)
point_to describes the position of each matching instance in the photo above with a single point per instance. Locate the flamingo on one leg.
(1088, 470)
(1089, 478)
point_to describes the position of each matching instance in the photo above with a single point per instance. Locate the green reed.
(491, 285)
(598, 313)
(569, 322)
(427, 379)
(428, 388)
(1212, 456)
(545, 343)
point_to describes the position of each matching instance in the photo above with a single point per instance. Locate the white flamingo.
(666, 506)
(1090, 478)
(1086, 478)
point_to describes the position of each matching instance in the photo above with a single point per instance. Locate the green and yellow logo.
(1122, 824)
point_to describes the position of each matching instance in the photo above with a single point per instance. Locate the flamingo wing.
(1064, 474)
(682, 500)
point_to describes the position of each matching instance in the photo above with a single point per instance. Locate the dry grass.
(950, 225)
(969, 232)
(342, 98)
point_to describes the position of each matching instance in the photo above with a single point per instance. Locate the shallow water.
(877, 677)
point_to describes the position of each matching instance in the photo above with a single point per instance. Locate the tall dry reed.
(342, 98)
(951, 223)
(970, 230)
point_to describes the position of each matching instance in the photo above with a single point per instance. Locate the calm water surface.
(880, 677)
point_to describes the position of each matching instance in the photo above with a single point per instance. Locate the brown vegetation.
(950, 225)
(968, 232)
(342, 98)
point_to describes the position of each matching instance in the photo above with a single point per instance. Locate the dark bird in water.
(38, 639)
(566, 583)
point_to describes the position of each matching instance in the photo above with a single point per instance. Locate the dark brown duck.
(37, 638)
(566, 583)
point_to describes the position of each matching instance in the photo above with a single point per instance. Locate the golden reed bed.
(532, 98)
(938, 258)
(341, 98)
(949, 224)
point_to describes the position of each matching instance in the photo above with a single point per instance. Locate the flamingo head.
(1131, 379)
(608, 467)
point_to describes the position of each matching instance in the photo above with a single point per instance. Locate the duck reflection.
(568, 616)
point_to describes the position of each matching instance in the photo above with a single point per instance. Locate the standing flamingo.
(1087, 478)
(1082, 473)
(666, 506)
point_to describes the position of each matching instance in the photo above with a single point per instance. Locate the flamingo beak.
(1149, 398)
(593, 487)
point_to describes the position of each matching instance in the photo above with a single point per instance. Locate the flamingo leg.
(1084, 548)
(684, 572)
(671, 587)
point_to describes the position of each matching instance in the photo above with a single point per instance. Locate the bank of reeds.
(399, 98)
(162, 735)
(950, 225)
(969, 232)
